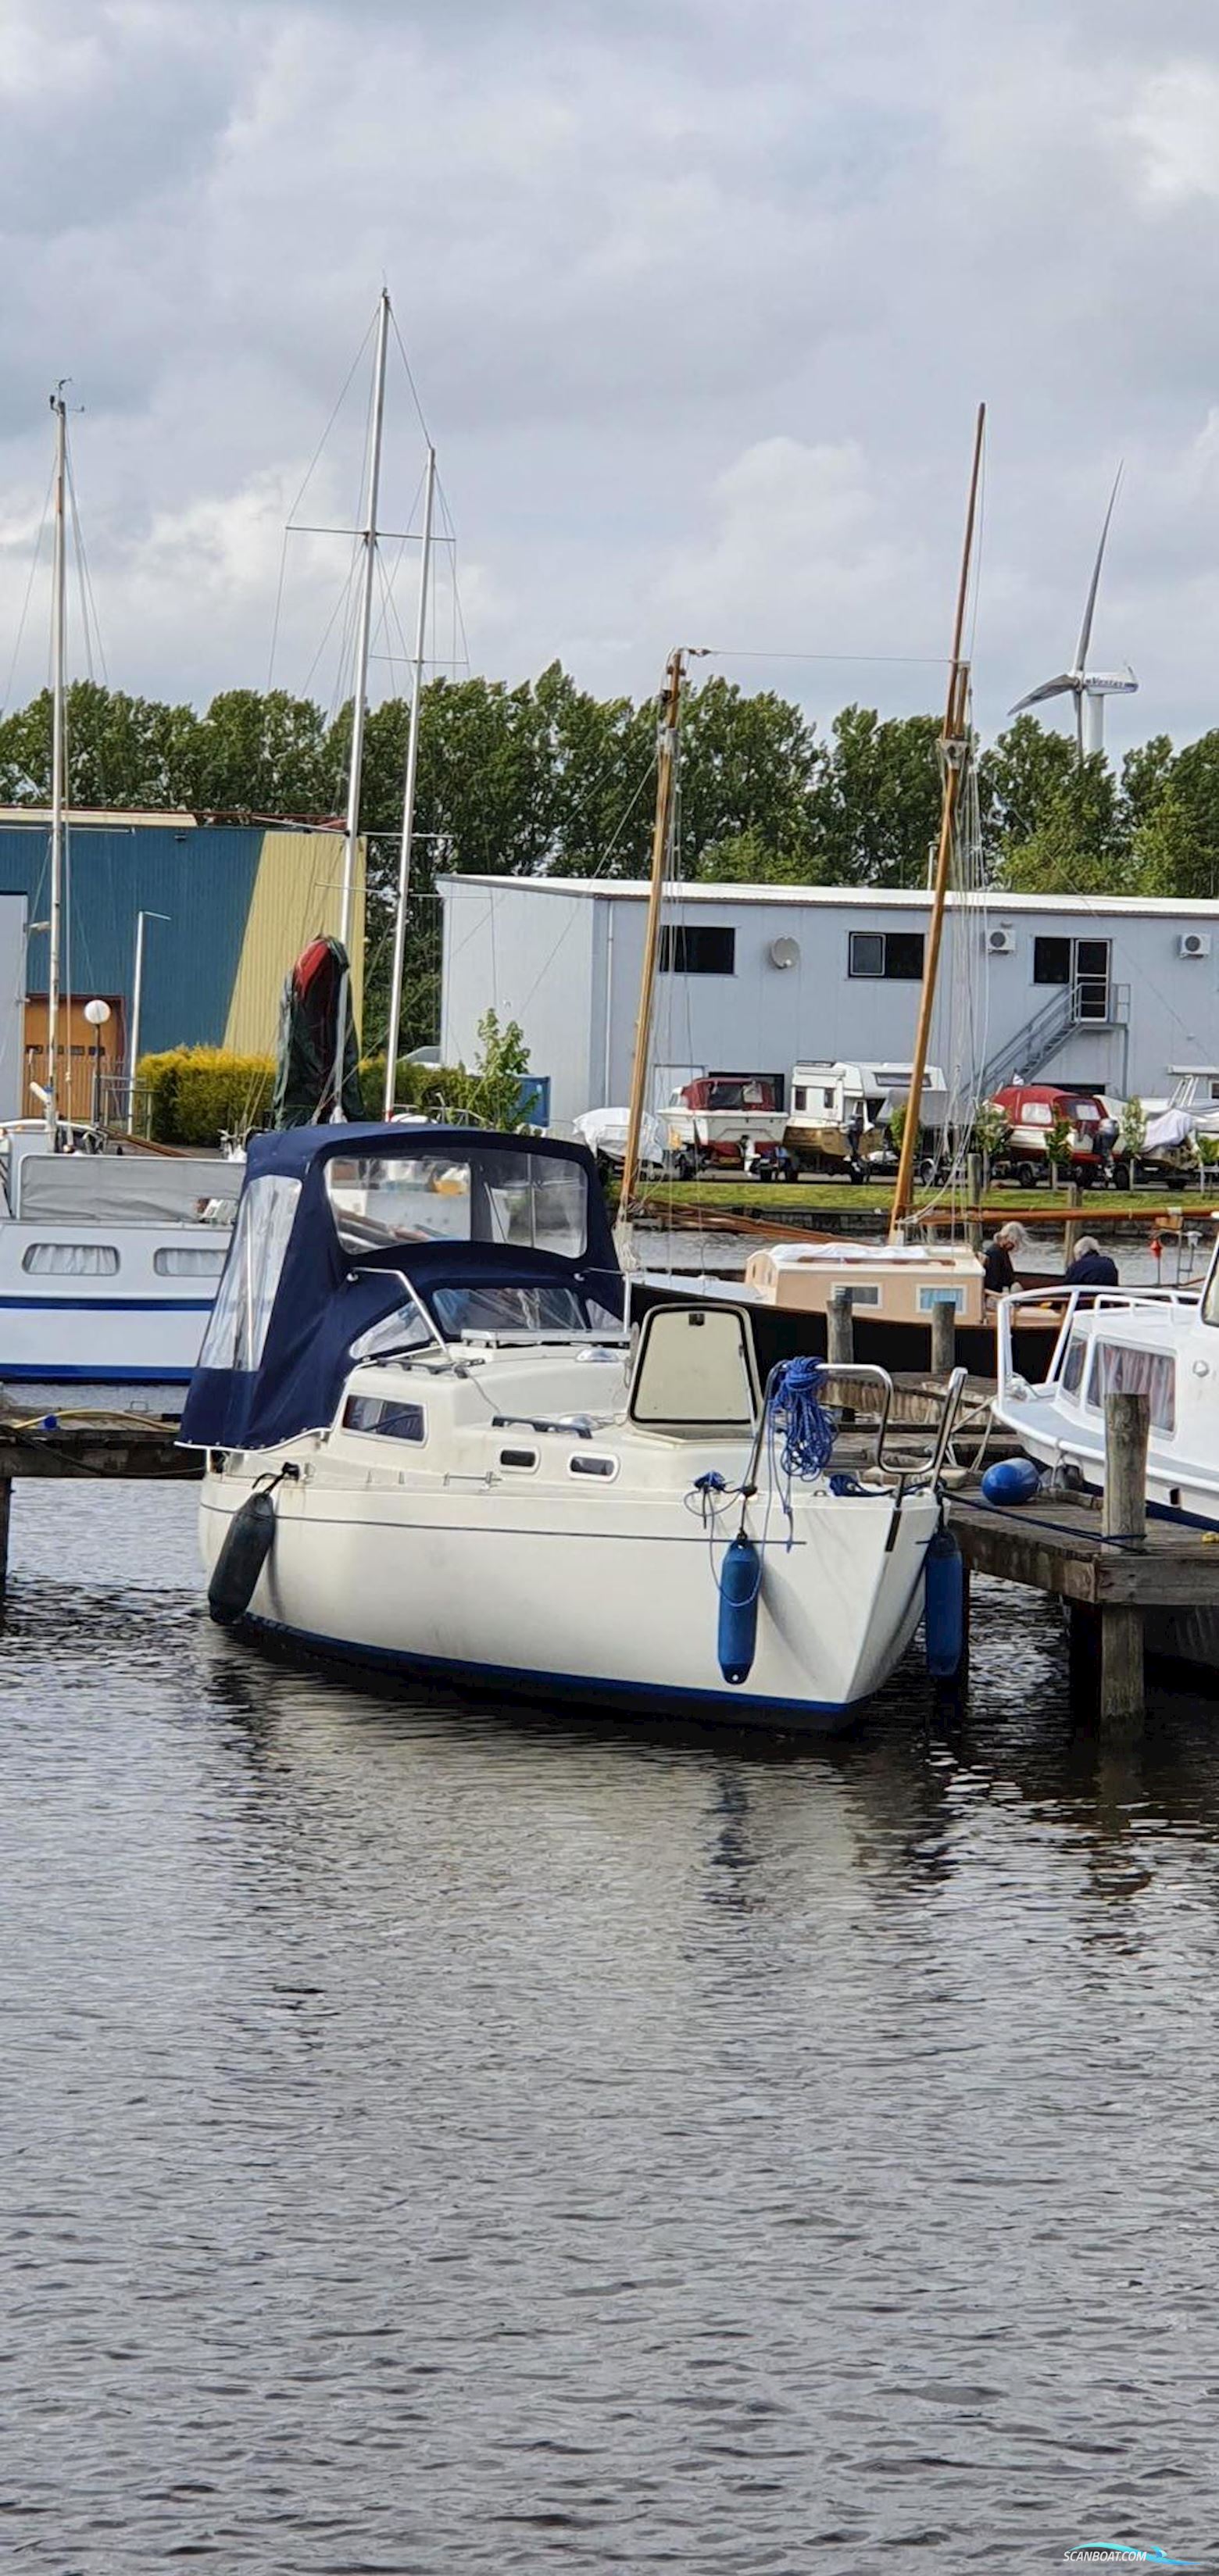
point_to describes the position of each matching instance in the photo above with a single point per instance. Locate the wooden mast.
(662, 836)
(954, 747)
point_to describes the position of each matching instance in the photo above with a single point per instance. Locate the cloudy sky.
(699, 299)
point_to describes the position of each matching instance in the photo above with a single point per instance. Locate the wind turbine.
(1088, 688)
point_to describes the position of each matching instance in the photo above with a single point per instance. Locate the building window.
(897, 955)
(1051, 961)
(696, 948)
(385, 1417)
(71, 1260)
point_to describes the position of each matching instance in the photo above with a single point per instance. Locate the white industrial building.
(1117, 996)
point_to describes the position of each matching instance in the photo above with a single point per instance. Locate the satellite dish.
(784, 952)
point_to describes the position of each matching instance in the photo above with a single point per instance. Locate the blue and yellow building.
(241, 900)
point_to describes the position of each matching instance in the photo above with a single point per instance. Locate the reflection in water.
(438, 2138)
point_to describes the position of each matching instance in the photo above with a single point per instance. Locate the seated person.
(998, 1271)
(1091, 1267)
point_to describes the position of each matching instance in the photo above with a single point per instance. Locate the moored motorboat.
(419, 1350)
(1161, 1343)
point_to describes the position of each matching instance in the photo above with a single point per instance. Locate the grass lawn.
(872, 1198)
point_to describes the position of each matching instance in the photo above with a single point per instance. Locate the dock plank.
(1061, 1550)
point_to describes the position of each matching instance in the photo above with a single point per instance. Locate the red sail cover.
(317, 1038)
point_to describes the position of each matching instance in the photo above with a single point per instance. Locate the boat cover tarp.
(315, 1299)
(314, 994)
(121, 1189)
(1167, 1133)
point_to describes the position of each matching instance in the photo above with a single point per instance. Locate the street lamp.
(97, 1013)
(137, 997)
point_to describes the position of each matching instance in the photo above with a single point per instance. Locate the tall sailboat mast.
(662, 843)
(408, 794)
(59, 628)
(364, 630)
(954, 749)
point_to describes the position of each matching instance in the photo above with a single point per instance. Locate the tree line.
(544, 778)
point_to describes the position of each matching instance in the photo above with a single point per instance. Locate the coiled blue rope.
(800, 1434)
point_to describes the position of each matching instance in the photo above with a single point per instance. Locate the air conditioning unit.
(1194, 943)
(785, 952)
(1000, 943)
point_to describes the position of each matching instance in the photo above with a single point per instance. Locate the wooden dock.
(1107, 1582)
(117, 1447)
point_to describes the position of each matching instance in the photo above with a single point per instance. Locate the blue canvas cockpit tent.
(336, 1226)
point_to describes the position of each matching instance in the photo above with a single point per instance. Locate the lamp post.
(97, 1013)
(137, 997)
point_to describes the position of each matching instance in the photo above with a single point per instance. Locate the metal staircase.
(1071, 1006)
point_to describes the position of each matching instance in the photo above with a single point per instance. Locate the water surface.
(440, 2140)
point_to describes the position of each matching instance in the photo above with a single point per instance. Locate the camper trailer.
(839, 1113)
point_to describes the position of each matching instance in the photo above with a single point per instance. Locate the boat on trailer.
(435, 1445)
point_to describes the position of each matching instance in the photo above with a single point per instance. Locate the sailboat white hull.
(500, 1589)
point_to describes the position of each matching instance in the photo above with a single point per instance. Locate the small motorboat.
(436, 1446)
(1159, 1342)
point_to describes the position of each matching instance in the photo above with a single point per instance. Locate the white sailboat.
(108, 1262)
(434, 1445)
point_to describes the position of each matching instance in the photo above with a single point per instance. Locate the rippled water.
(442, 2141)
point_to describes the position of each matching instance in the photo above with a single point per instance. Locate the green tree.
(263, 752)
(748, 765)
(121, 751)
(1176, 843)
(1020, 781)
(874, 808)
(1146, 779)
(1081, 846)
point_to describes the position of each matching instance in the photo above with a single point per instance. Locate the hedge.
(196, 1094)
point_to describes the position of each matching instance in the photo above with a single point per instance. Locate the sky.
(699, 301)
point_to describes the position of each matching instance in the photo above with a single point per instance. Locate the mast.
(954, 748)
(59, 624)
(408, 796)
(364, 631)
(662, 840)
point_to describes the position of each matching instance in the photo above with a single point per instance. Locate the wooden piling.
(1070, 1232)
(1124, 1520)
(943, 1335)
(6, 1513)
(839, 1329)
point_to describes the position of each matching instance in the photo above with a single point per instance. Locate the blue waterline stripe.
(523, 1680)
(108, 1305)
(56, 1373)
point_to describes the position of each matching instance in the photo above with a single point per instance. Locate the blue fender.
(740, 1584)
(1011, 1480)
(944, 1606)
